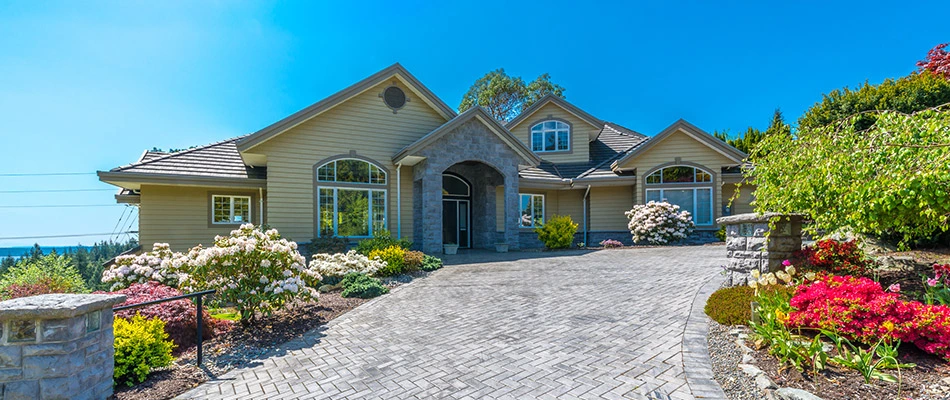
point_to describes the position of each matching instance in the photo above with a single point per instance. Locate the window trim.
(570, 136)
(534, 223)
(694, 182)
(370, 214)
(252, 208)
(712, 215)
(316, 171)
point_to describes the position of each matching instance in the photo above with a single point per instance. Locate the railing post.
(200, 323)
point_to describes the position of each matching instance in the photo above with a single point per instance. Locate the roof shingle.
(220, 159)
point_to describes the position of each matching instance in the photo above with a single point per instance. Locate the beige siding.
(688, 150)
(179, 216)
(581, 133)
(556, 202)
(740, 204)
(607, 207)
(362, 124)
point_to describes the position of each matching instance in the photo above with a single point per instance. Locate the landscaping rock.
(763, 382)
(795, 394)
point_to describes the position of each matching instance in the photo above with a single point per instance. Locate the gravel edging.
(697, 364)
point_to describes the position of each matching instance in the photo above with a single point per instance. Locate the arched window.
(351, 198)
(455, 186)
(686, 186)
(551, 136)
(351, 170)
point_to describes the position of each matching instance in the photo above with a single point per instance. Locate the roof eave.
(122, 179)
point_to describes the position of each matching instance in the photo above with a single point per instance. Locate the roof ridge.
(178, 153)
(614, 126)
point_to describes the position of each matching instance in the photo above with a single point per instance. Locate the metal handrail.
(197, 295)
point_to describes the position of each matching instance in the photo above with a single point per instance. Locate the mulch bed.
(925, 381)
(238, 347)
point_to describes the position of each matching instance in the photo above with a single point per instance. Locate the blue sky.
(87, 86)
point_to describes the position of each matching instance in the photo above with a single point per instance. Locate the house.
(387, 153)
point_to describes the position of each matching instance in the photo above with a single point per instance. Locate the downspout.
(398, 201)
(586, 193)
(260, 200)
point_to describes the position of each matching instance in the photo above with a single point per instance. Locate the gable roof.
(550, 98)
(611, 143)
(319, 107)
(215, 162)
(481, 115)
(692, 131)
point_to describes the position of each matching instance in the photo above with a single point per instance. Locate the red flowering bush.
(842, 258)
(43, 286)
(181, 323)
(859, 308)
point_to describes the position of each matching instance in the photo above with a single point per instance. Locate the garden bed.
(240, 346)
(930, 379)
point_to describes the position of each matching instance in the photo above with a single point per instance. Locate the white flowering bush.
(159, 265)
(340, 264)
(659, 223)
(256, 270)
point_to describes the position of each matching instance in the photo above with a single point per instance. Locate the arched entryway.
(456, 211)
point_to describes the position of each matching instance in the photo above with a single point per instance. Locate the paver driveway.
(606, 324)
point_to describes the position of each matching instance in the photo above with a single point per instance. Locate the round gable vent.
(394, 97)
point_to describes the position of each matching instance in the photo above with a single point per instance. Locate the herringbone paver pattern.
(606, 324)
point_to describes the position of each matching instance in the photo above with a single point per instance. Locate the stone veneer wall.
(57, 346)
(750, 245)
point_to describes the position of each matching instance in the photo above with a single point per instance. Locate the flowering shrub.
(841, 258)
(157, 265)
(140, 345)
(859, 308)
(253, 269)
(394, 257)
(611, 244)
(937, 289)
(659, 223)
(381, 240)
(339, 264)
(47, 274)
(180, 316)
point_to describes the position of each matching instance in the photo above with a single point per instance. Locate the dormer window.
(550, 136)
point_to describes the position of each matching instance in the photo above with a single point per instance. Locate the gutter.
(586, 194)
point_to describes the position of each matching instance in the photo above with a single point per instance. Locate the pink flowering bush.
(159, 265)
(257, 271)
(859, 308)
(937, 289)
(611, 244)
(659, 223)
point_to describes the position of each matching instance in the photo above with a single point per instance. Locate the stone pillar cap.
(753, 218)
(56, 306)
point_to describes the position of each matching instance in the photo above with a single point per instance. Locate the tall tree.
(507, 96)
(937, 61)
(748, 142)
(916, 92)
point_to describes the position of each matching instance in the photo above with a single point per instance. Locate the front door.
(455, 223)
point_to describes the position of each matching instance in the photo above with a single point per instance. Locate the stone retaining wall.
(57, 346)
(751, 245)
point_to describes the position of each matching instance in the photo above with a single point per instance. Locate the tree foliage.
(507, 96)
(891, 177)
(748, 141)
(937, 61)
(912, 93)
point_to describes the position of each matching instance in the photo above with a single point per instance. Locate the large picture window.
(685, 186)
(532, 210)
(354, 203)
(231, 209)
(551, 136)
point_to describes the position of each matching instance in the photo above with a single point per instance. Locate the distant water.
(17, 252)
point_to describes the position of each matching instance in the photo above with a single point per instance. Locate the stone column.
(432, 212)
(752, 245)
(512, 211)
(57, 346)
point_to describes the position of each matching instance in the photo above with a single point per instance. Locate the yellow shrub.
(140, 345)
(395, 258)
